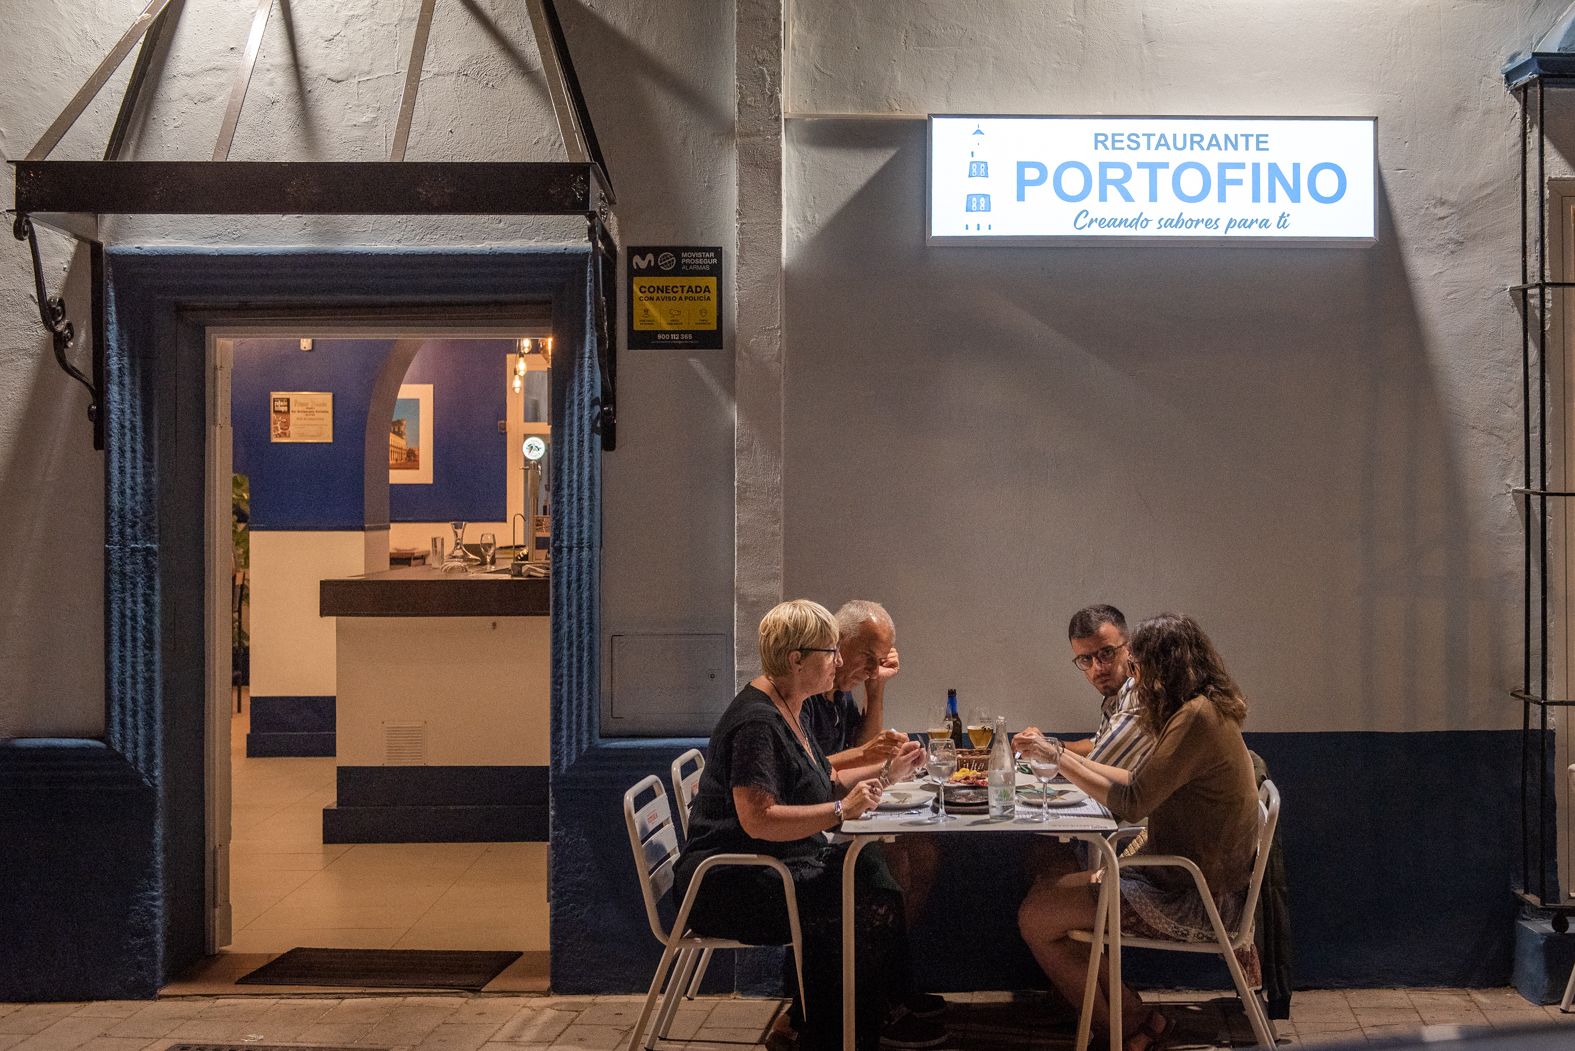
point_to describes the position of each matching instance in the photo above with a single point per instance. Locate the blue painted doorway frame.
(159, 302)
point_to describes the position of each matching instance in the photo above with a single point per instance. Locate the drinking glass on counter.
(456, 561)
(943, 764)
(489, 550)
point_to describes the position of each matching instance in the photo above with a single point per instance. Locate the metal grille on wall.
(1530, 79)
(72, 195)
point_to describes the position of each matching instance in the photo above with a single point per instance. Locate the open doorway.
(377, 779)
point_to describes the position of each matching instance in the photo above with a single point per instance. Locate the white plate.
(1058, 796)
(911, 799)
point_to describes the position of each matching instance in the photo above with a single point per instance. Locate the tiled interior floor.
(288, 888)
(512, 1023)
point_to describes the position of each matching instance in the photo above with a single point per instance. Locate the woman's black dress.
(753, 747)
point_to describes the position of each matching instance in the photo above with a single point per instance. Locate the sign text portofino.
(1018, 180)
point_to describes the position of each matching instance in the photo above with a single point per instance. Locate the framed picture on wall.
(410, 436)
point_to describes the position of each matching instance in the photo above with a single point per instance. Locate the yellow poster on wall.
(300, 416)
(675, 298)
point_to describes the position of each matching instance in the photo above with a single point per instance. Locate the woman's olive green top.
(1200, 797)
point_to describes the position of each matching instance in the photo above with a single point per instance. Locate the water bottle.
(954, 721)
(1002, 774)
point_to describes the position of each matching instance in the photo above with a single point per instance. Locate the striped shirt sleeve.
(1122, 741)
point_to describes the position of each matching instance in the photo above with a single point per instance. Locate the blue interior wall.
(305, 485)
(469, 397)
(309, 485)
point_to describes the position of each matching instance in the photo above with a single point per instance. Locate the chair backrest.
(1268, 821)
(654, 840)
(685, 785)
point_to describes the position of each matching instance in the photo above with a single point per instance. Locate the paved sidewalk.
(517, 1023)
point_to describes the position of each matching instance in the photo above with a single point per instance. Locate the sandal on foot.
(1156, 1029)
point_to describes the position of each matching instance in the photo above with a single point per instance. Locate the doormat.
(383, 968)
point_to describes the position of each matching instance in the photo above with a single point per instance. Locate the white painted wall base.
(477, 685)
(293, 647)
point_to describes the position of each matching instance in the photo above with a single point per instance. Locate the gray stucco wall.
(1309, 449)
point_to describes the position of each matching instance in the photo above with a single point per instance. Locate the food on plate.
(969, 778)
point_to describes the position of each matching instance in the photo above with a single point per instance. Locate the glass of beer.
(981, 728)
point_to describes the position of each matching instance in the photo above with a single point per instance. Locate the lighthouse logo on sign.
(976, 201)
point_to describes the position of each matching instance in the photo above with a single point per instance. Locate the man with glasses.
(1098, 635)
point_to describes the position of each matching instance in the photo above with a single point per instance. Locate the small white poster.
(301, 416)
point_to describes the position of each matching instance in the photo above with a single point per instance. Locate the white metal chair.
(686, 771)
(685, 785)
(654, 840)
(1225, 942)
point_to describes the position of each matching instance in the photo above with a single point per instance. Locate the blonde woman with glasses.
(768, 789)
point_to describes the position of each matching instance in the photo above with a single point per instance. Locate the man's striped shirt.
(1121, 739)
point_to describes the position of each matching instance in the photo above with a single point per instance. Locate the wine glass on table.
(980, 727)
(943, 764)
(938, 730)
(1045, 765)
(489, 550)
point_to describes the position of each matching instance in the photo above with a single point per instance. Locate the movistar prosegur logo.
(665, 261)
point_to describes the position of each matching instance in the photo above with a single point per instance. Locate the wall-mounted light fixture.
(518, 382)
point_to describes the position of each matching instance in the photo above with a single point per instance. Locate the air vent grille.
(404, 744)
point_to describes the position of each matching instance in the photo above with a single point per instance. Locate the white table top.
(1086, 816)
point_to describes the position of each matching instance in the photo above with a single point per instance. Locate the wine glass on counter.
(943, 764)
(456, 561)
(489, 550)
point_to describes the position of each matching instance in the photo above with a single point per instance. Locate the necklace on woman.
(779, 702)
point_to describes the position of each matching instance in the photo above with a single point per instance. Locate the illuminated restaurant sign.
(1028, 180)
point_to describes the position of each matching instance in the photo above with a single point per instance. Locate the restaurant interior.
(327, 846)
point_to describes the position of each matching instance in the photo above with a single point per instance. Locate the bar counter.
(422, 591)
(443, 682)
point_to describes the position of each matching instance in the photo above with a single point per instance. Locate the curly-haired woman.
(1199, 794)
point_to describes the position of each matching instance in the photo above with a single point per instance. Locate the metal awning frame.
(71, 196)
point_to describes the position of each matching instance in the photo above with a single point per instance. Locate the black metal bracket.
(604, 293)
(52, 315)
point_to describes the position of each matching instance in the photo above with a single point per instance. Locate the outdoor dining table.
(1087, 821)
